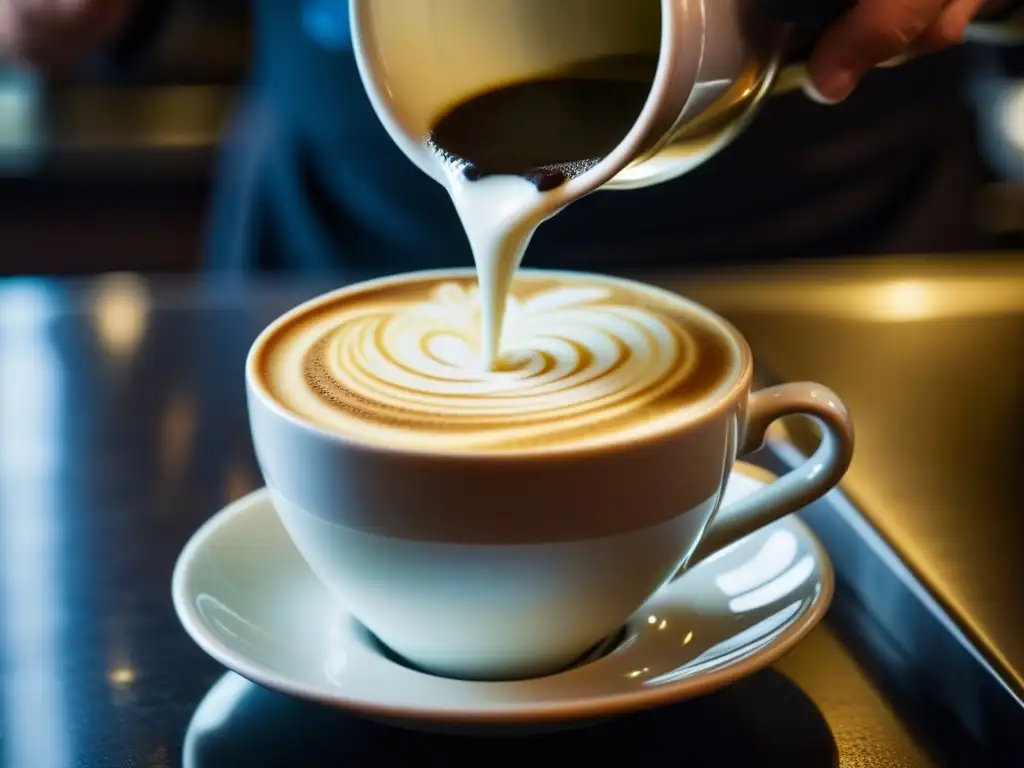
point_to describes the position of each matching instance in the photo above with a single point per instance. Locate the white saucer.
(244, 594)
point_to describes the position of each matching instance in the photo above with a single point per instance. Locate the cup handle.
(797, 488)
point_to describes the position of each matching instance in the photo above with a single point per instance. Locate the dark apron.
(310, 181)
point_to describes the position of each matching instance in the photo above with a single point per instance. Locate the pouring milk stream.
(508, 152)
(519, 125)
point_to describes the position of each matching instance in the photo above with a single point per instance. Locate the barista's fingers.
(950, 27)
(872, 32)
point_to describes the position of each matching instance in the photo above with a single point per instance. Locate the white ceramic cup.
(419, 58)
(491, 565)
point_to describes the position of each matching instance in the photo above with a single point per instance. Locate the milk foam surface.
(585, 361)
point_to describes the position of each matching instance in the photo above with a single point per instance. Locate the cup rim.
(724, 396)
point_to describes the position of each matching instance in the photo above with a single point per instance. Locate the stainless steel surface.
(930, 358)
(911, 640)
(864, 723)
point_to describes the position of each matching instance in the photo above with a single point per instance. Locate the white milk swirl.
(578, 365)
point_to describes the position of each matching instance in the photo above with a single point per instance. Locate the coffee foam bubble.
(582, 363)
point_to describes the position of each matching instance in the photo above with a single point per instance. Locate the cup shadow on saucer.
(761, 720)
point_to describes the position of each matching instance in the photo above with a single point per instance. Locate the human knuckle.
(900, 25)
(944, 35)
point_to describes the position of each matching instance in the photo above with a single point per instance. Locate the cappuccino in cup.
(586, 361)
(493, 469)
(498, 522)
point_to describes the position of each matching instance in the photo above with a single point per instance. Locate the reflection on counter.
(895, 299)
(120, 309)
(33, 396)
(765, 720)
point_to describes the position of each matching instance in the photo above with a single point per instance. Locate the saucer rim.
(593, 708)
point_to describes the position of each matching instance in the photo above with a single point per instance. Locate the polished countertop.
(123, 428)
(929, 356)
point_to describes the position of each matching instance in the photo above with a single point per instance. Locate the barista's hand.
(57, 33)
(874, 31)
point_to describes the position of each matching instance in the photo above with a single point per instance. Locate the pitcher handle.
(811, 17)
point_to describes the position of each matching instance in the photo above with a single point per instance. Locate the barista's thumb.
(876, 31)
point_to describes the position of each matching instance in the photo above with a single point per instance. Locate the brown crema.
(587, 360)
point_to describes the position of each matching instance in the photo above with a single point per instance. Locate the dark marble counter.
(123, 427)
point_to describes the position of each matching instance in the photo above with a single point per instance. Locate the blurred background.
(103, 171)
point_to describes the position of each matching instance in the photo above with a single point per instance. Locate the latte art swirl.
(575, 362)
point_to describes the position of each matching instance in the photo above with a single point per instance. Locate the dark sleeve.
(145, 22)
